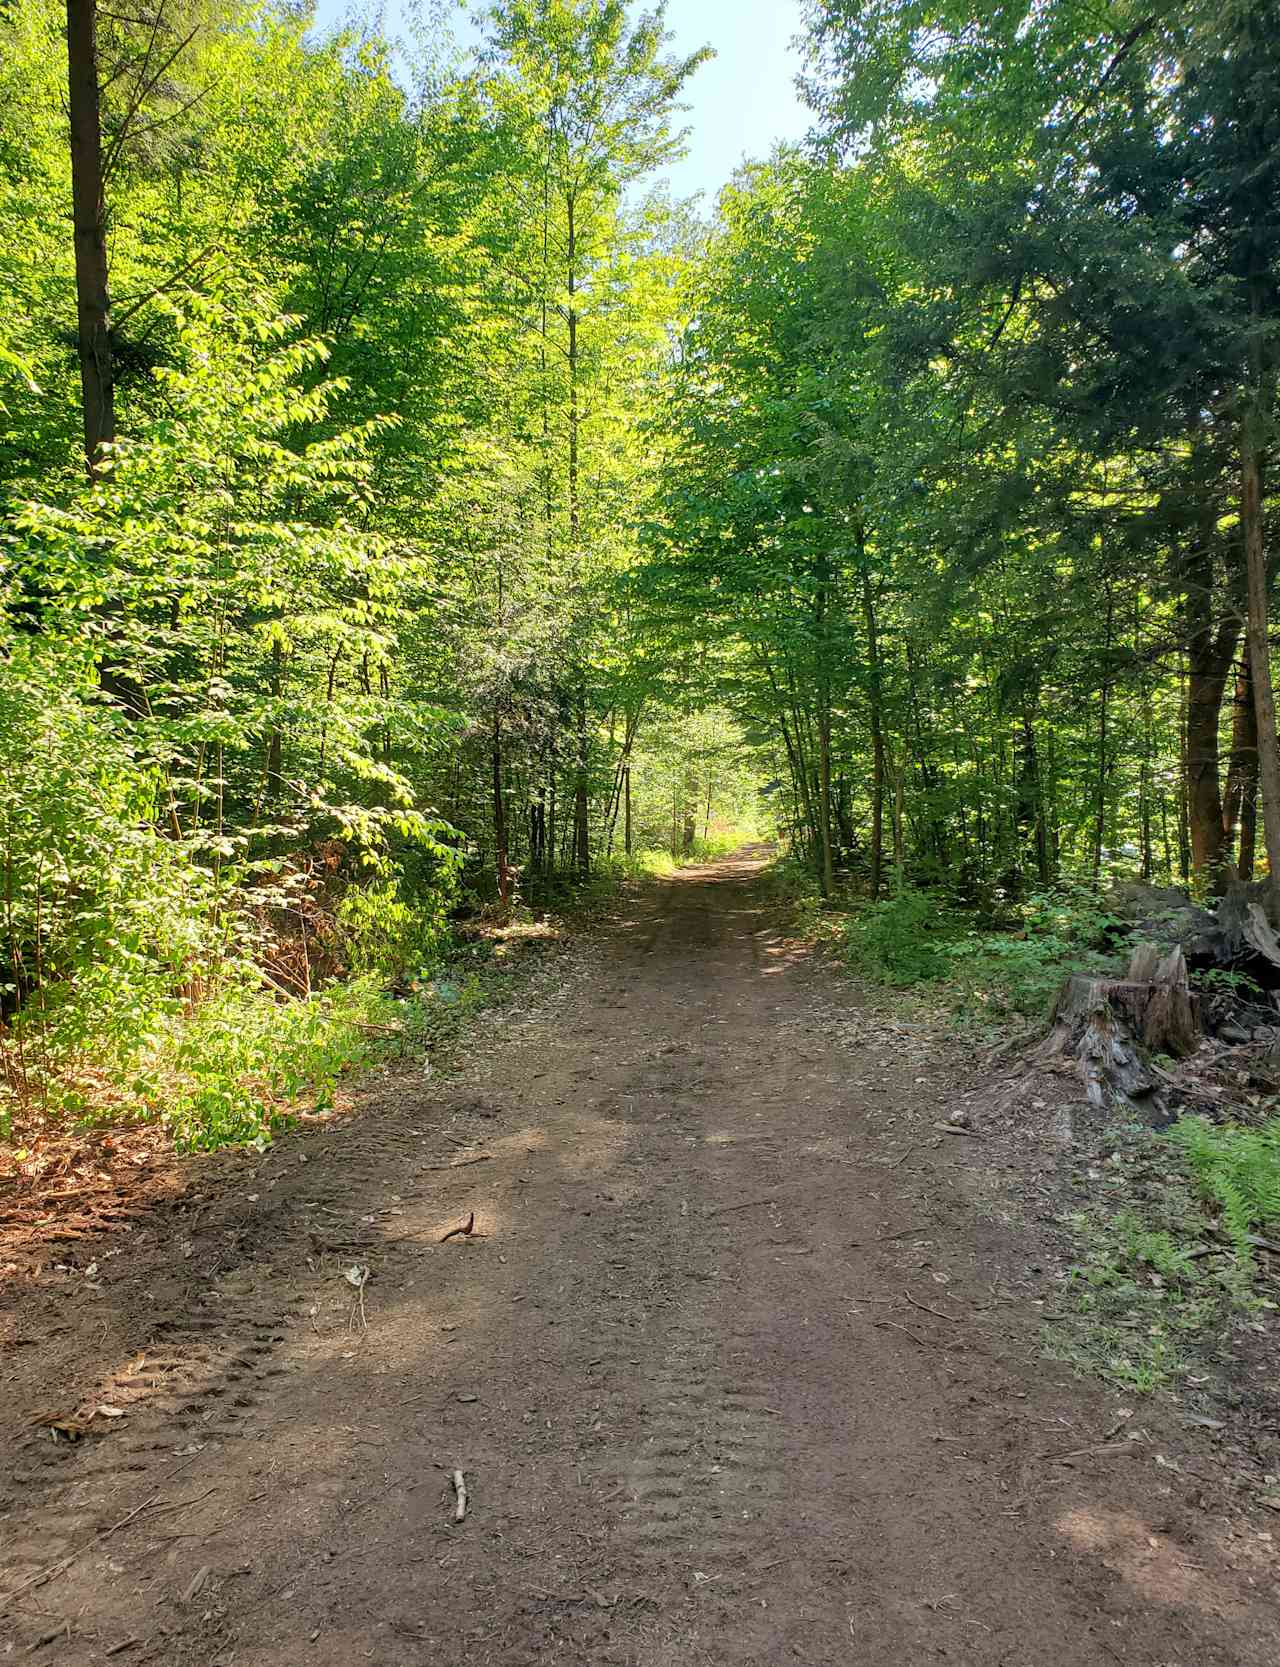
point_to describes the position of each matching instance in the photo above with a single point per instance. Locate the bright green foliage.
(909, 938)
(332, 645)
(103, 923)
(986, 975)
(1239, 1169)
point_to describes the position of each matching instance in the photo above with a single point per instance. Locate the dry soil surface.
(731, 1378)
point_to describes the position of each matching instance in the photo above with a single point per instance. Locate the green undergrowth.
(987, 967)
(989, 971)
(1167, 1259)
(246, 1062)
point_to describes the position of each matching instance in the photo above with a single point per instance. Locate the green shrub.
(1017, 971)
(384, 930)
(921, 937)
(102, 919)
(903, 940)
(237, 1068)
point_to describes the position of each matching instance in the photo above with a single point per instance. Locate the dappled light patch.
(1149, 1561)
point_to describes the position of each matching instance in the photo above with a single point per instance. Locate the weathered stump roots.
(1107, 1026)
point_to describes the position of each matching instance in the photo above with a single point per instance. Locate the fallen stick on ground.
(462, 1163)
(1105, 1450)
(922, 1341)
(460, 1488)
(466, 1230)
(954, 1128)
(954, 1319)
(747, 1204)
(42, 1575)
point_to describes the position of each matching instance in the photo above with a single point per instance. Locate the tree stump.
(1241, 938)
(1107, 1026)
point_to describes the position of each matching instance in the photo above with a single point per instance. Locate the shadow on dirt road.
(725, 1386)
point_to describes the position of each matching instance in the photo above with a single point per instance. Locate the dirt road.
(732, 1378)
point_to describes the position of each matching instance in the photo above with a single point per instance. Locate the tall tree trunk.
(824, 796)
(89, 222)
(1240, 808)
(1211, 648)
(500, 852)
(875, 695)
(1255, 560)
(1104, 712)
(581, 819)
(626, 799)
(1184, 774)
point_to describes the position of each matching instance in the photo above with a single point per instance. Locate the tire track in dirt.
(699, 1418)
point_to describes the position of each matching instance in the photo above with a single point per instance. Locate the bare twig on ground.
(462, 1163)
(893, 1324)
(1105, 1450)
(465, 1231)
(460, 1488)
(42, 1575)
(952, 1319)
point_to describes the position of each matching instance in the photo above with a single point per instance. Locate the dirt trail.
(726, 1387)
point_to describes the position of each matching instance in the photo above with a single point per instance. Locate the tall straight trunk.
(899, 805)
(89, 223)
(1104, 712)
(1184, 822)
(875, 695)
(795, 751)
(1240, 807)
(1255, 563)
(1211, 649)
(824, 796)
(1029, 811)
(500, 852)
(626, 800)
(581, 820)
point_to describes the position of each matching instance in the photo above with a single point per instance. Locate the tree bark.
(1240, 810)
(1211, 648)
(1260, 648)
(876, 701)
(89, 223)
(1254, 418)
(1104, 1024)
(500, 850)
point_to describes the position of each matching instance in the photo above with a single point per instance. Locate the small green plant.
(1149, 1284)
(1226, 981)
(1239, 1170)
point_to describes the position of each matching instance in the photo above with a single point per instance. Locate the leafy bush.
(244, 1062)
(1054, 932)
(102, 921)
(1239, 1169)
(903, 940)
(384, 930)
(921, 937)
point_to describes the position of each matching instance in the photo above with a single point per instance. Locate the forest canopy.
(407, 508)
